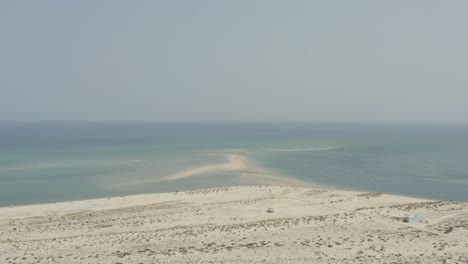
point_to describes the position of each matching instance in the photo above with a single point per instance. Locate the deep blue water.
(44, 162)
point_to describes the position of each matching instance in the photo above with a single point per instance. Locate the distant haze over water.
(45, 162)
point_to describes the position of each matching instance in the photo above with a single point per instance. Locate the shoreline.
(249, 174)
(117, 202)
(123, 201)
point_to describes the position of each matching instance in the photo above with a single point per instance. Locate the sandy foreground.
(232, 225)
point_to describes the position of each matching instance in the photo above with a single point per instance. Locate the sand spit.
(234, 163)
(248, 174)
(232, 225)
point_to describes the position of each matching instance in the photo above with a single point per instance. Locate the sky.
(247, 60)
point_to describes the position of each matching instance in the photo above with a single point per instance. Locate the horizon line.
(239, 122)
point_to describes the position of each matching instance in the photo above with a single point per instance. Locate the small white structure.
(414, 219)
(270, 210)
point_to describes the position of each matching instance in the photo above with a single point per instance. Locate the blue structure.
(414, 219)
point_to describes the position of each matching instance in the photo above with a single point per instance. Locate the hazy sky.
(335, 61)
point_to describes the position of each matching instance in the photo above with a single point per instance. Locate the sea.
(44, 162)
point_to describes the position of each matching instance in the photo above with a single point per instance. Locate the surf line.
(302, 150)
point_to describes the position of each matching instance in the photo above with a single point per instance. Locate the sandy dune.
(232, 225)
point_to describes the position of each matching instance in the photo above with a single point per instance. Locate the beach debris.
(414, 219)
(270, 210)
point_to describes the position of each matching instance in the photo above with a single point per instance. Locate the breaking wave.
(302, 149)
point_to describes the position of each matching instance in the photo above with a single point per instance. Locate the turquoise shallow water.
(44, 162)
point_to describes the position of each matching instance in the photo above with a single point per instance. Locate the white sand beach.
(232, 225)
